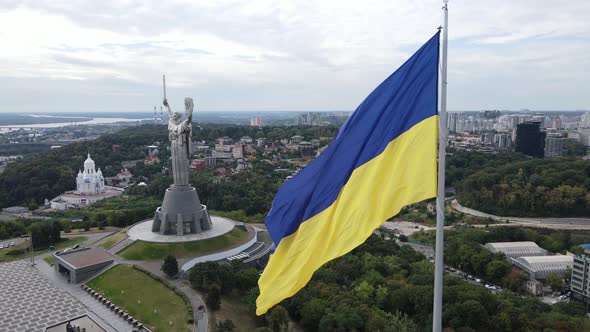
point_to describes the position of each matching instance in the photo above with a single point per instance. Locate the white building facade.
(90, 188)
(90, 181)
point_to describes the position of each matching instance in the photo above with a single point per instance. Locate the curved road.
(560, 223)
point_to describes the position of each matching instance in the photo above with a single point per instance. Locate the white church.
(90, 188)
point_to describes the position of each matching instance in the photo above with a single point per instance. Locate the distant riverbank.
(76, 121)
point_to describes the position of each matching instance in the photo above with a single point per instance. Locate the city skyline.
(235, 56)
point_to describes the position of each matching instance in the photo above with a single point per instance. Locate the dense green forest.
(30, 180)
(383, 287)
(504, 183)
(557, 187)
(461, 163)
(22, 149)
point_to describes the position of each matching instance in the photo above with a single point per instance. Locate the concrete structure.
(246, 140)
(256, 121)
(585, 136)
(143, 231)
(538, 267)
(452, 118)
(516, 249)
(534, 287)
(84, 323)
(252, 246)
(30, 301)
(90, 188)
(580, 283)
(308, 119)
(181, 211)
(554, 146)
(78, 265)
(16, 209)
(198, 164)
(502, 141)
(530, 140)
(221, 155)
(238, 151)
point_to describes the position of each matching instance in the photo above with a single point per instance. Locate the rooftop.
(546, 263)
(86, 257)
(513, 244)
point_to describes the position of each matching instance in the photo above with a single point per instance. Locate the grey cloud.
(78, 61)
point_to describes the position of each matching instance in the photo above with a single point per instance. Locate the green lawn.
(49, 260)
(141, 250)
(234, 309)
(65, 242)
(143, 297)
(113, 239)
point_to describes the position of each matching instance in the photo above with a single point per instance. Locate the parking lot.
(6, 244)
(472, 279)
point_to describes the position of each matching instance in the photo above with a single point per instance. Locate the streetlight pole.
(31, 247)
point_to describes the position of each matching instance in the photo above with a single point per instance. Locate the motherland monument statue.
(181, 211)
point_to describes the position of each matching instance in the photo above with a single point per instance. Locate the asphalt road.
(540, 221)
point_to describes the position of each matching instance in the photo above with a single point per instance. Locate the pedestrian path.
(121, 245)
(110, 320)
(30, 302)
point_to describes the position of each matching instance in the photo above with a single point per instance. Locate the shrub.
(16, 252)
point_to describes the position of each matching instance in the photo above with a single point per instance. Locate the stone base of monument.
(181, 213)
(143, 231)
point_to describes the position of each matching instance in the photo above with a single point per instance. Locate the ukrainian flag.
(383, 158)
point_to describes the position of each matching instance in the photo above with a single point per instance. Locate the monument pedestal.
(181, 213)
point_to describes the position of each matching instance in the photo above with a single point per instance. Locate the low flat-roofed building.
(538, 267)
(516, 249)
(78, 265)
(16, 209)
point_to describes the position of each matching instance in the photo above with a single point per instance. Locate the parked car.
(12, 244)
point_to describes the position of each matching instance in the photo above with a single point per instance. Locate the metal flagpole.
(440, 199)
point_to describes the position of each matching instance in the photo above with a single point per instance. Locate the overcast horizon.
(285, 56)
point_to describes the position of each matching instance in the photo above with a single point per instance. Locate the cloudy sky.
(64, 55)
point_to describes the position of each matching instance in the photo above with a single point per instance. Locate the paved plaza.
(30, 302)
(143, 231)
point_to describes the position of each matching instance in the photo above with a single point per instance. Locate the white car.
(1, 246)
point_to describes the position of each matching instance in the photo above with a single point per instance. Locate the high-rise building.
(489, 115)
(308, 119)
(530, 140)
(487, 138)
(502, 141)
(452, 118)
(580, 283)
(556, 122)
(238, 151)
(554, 146)
(585, 136)
(256, 121)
